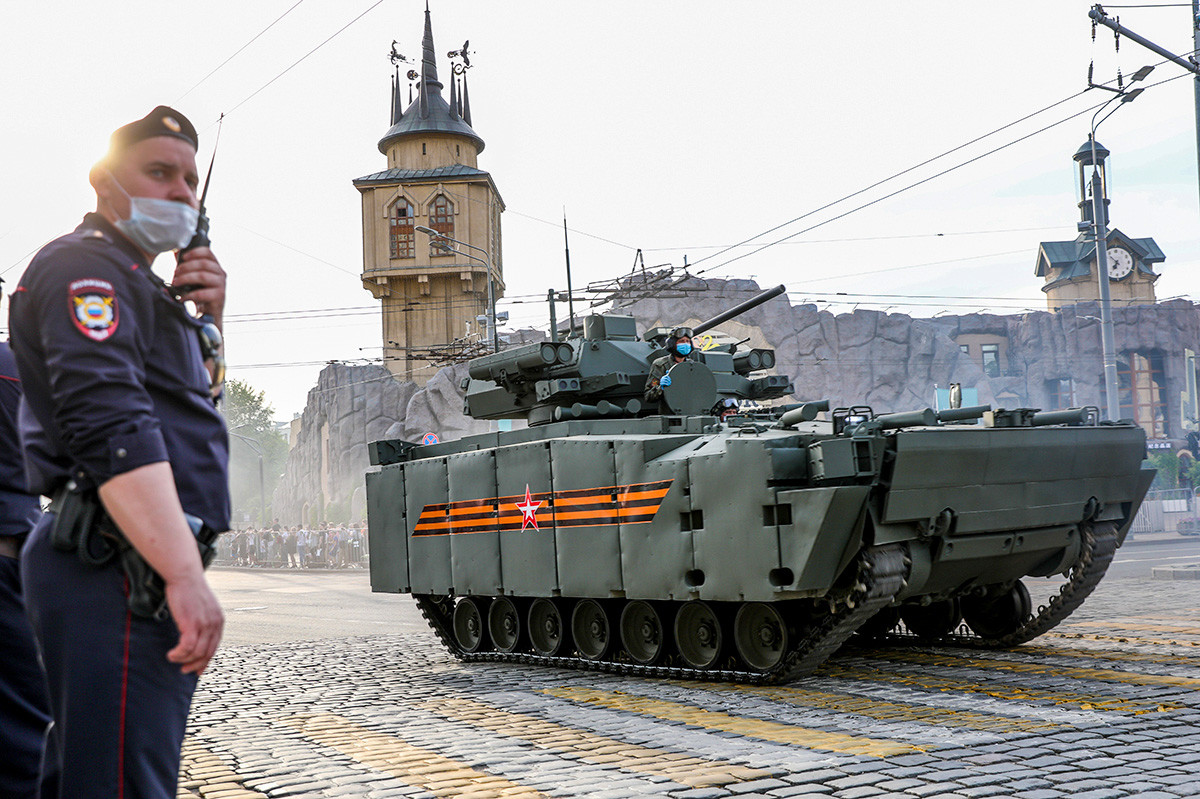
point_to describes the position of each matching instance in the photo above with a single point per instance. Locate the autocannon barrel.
(740, 308)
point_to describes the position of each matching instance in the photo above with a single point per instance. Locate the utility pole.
(1196, 80)
(1099, 16)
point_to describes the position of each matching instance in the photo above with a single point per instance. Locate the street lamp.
(1100, 231)
(439, 239)
(262, 491)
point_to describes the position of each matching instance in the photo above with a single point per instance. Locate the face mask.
(156, 225)
(683, 348)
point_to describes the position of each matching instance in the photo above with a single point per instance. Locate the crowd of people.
(320, 546)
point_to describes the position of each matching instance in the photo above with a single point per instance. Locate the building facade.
(433, 298)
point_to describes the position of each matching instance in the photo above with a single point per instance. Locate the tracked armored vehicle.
(668, 541)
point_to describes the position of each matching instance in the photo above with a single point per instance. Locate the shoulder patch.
(93, 308)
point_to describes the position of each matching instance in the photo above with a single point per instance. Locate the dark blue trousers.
(119, 707)
(24, 708)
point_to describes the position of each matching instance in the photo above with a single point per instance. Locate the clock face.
(1120, 263)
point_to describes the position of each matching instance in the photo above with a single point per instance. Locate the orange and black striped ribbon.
(585, 507)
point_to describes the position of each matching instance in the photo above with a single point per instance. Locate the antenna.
(567, 250)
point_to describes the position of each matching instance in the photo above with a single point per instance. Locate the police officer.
(679, 346)
(117, 399)
(24, 708)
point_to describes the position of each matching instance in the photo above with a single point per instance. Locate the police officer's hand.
(199, 268)
(200, 620)
(665, 381)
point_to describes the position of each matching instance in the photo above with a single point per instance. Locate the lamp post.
(439, 239)
(1100, 232)
(262, 491)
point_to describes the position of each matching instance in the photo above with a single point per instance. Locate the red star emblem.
(528, 509)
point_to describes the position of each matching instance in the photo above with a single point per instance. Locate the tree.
(253, 440)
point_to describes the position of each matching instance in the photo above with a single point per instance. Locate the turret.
(601, 372)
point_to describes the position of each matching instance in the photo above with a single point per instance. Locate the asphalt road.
(325, 689)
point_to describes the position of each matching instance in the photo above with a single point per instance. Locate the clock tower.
(1068, 266)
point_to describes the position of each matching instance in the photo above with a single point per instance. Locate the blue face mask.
(683, 348)
(157, 226)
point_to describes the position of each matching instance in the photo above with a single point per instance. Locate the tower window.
(441, 219)
(401, 233)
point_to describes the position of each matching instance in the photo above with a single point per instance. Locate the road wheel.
(998, 615)
(698, 635)
(761, 635)
(504, 624)
(591, 628)
(932, 621)
(469, 629)
(547, 632)
(642, 632)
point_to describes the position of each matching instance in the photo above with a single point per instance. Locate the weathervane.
(462, 53)
(396, 57)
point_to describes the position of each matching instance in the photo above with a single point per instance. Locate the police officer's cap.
(162, 121)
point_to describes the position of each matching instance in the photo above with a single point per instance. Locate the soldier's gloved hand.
(664, 381)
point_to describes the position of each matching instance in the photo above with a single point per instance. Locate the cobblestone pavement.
(1106, 706)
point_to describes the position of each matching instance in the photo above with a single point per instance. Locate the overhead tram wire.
(912, 185)
(304, 57)
(892, 177)
(237, 52)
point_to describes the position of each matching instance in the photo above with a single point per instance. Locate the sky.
(677, 128)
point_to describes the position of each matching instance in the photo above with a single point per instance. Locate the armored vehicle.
(671, 541)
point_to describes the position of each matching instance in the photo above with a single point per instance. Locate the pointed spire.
(431, 111)
(428, 59)
(466, 102)
(397, 100)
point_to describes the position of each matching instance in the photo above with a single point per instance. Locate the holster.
(83, 526)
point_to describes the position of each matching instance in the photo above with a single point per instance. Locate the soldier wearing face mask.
(679, 347)
(119, 428)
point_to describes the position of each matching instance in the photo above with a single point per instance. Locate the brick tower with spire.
(431, 297)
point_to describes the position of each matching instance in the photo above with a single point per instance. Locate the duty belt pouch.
(147, 592)
(75, 513)
(81, 525)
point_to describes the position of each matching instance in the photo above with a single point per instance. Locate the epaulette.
(94, 236)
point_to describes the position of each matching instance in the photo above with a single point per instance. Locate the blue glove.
(664, 381)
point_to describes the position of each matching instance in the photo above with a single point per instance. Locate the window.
(1142, 391)
(1060, 394)
(965, 349)
(401, 233)
(441, 219)
(991, 359)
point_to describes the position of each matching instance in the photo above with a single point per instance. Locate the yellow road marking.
(1108, 654)
(891, 711)
(1139, 626)
(683, 769)
(1004, 692)
(1128, 677)
(1124, 639)
(420, 768)
(725, 722)
(203, 771)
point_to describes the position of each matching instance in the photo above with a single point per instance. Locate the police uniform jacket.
(18, 508)
(112, 373)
